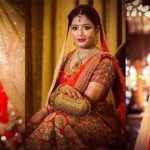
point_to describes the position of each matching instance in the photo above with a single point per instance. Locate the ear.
(97, 29)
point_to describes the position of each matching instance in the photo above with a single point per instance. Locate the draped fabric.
(12, 55)
(99, 127)
(46, 38)
(143, 138)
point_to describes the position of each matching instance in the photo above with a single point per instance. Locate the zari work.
(99, 127)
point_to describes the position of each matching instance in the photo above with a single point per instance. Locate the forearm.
(68, 105)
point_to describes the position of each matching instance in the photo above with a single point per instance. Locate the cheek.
(91, 36)
(74, 35)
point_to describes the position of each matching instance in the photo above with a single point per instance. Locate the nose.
(80, 31)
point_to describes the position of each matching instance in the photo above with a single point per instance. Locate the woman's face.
(83, 32)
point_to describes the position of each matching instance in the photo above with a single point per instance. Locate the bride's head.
(84, 23)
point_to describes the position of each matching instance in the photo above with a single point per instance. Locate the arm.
(101, 81)
(96, 90)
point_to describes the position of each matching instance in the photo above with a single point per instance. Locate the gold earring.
(74, 43)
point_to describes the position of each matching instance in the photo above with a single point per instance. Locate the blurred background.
(137, 64)
(12, 72)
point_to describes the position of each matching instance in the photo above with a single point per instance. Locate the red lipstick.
(81, 40)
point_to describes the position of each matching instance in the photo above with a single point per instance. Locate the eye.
(74, 28)
(87, 27)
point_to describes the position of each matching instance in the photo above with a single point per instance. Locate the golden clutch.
(70, 106)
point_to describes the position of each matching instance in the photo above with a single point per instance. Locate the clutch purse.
(75, 107)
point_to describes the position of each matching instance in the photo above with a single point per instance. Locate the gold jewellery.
(80, 60)
(70, 70)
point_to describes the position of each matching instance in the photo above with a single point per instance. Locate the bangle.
(43, 113)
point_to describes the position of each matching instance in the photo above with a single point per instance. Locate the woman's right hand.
(67, 89)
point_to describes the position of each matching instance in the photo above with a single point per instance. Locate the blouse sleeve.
(104, 73)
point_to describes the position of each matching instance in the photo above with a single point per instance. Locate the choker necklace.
(80, 60)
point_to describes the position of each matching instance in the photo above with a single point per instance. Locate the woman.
(143, 138)
(77, 115)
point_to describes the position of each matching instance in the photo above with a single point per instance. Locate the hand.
(67, 89)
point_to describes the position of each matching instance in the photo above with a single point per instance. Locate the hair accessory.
(80, 15)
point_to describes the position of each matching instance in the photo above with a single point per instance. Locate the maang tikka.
(80, 15)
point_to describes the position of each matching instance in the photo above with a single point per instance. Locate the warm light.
(136, 2)
(129, 8)
(148, 59)
(140, 14)
(140, 7)
(3, 138)
(145, 8)
(3, 59)
(133, 71)
(134, 12)
(20, 121)
(145, 72)
(128, 13)
(147, 14)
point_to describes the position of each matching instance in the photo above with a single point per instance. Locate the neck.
(84, 51)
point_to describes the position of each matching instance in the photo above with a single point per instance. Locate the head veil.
(68, 47)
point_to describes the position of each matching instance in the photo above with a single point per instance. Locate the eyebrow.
(82, 25)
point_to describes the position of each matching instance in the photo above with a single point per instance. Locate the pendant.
(77, 65)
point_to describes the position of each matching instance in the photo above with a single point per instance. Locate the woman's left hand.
(67, 89)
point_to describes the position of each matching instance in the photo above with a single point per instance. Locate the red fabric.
(73, 78)
(13, 137)
(119, 90)
(3, 105)
(102, 38)
(149, 144)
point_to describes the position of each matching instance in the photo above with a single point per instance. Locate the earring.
(74, 43)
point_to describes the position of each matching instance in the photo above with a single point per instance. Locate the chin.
(82, 45)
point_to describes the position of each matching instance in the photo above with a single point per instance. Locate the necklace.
(70, 70)
(80, 60)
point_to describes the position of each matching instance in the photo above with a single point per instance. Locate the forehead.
(81, 19)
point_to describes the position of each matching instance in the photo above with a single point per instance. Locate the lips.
(81, 40)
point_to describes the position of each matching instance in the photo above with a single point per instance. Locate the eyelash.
(85, 27)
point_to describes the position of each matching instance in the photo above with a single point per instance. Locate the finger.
(78, 94)
(68, 92)
(74, 95)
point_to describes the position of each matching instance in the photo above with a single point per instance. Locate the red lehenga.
(100, 127)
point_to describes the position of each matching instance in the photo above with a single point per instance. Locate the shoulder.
(104, 57)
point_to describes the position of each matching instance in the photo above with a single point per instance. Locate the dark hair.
(86, 10)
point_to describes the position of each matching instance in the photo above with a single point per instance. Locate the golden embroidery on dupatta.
(85, 75)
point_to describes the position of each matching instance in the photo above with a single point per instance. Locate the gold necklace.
(70, 70)
(79, 62)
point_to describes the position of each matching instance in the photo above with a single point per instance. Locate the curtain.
(12, 56)
(45, 33)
